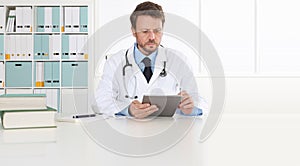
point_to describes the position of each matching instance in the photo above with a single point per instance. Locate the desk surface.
(80, 143)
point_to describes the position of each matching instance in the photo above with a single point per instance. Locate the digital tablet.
(166, 104)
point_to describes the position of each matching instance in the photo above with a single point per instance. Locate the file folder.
(39, 76)
(65, 47)
(55, 19)
(19, 19)
(23, 46)
(1, 47)
(2, 19)
(75, 19)
(40, 19)
(84, 19)
(55, 74)
(37, 47)
(48, 74)
(27, 19)
(18, 74)
(68, 19)
(48, 19)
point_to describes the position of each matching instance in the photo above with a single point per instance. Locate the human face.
(148, 33)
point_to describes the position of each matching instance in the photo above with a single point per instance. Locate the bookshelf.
(45, 51)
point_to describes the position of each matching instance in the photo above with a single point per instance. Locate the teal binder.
(45, 46)
(74, 74)
(37, 46)
(18, 74)
(84, 19)
(48, 74)
(65, 47)
(1, 47)
(55, 19)
(55, 74)
(40, 19)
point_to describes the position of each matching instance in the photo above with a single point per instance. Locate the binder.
(7, 47)
(18, 74)
(68, 19)
(37, 46)
(29, 48)
(54, 47)
(23, 47)
(19, 19)
(39, 76)
(40, 19)
(13, 47)
(55, 74)
(72, 46)
(84, 19)
(27, 19)
(65, 47)
(48, 19)
(82, 47)
(2, 19)
(18, 48)
(1, 47)
(1, 74)
(48, 74)
(45, 46)
(75, 19)
(55, 19)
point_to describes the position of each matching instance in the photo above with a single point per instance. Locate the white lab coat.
(110, 94)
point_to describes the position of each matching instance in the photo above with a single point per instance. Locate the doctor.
(147, 68)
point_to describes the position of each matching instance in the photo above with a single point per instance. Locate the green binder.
(40, 19)
(55, 19)
(65, 47)
(83, 19)
(37, 47)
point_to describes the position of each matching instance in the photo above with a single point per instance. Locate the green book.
(22, 102)
(17, 119)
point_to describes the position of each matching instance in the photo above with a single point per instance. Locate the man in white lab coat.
(147, 68)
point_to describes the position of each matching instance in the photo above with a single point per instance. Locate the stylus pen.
(84, 116)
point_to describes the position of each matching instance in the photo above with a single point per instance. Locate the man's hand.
(187, 104)
(139, 110)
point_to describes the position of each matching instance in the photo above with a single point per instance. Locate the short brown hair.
(147, 8)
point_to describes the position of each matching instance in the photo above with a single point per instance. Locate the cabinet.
(43, 49)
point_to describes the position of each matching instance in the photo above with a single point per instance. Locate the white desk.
(70, 144)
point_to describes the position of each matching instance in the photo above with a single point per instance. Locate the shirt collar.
(139, 56)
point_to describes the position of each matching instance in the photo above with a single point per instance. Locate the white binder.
(23, 47)
(1, 74)
(18, 48)
(13, 47)
(39, 77)
(81, 46)
(19, 19)
(68, 19)
(48, 19)
(27, 19)
(2, 19)
(29, 47)
(75, 19)
(73, 46)
(56, 50)
(7, 47)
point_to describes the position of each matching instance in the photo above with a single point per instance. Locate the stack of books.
(26, 111)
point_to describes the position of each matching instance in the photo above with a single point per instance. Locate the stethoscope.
(163, 73)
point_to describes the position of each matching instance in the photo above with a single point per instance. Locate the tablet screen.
(166, 104)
